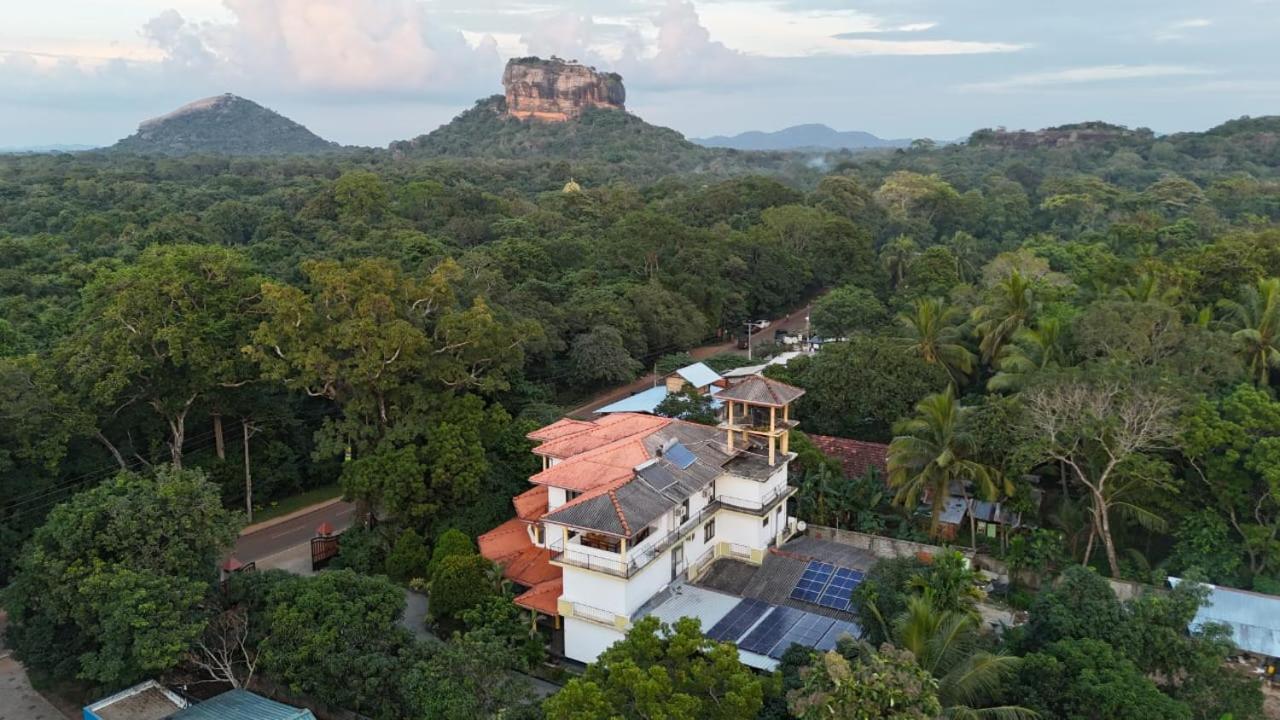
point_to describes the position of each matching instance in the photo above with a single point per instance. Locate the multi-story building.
(629, 503)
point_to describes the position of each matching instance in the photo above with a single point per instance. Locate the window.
(571, 494)
(684, 509)
(766, 522)
(540, 531)
(601, 542)
(709, 530)
(641, 536)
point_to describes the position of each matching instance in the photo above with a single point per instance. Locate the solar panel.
(770, 630)
(815, 577)
(738, 620)
(839, 628)
(682, 456)
(807, 631)
(837, 594)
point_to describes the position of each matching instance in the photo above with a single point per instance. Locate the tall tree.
(929, 331)
(932, 455)
(1011, 304)
(1102, 429)
(1255, 322)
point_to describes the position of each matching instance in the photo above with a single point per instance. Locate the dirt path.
(794, 321)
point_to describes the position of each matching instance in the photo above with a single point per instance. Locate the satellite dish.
(801, 525)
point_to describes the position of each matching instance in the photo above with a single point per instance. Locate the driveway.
(277, 536)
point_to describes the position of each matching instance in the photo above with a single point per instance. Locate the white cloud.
(1083, 75)
(1178, 30)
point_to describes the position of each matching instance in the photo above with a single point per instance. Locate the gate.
(324, 547)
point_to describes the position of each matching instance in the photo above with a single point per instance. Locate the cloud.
(854, 45)
(336, 46)
(1083, 75)
(1178, 30)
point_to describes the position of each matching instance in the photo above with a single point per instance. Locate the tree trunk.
(973, 521)
(178, 429)
(115, 452)
(248, 476)
(218, 445)
(1104, 531)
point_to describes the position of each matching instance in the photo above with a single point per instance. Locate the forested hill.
(606, 143)
(223, 125)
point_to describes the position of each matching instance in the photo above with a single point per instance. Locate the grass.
(284, 506)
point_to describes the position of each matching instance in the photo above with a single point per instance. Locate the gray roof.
(658, 486)
(760, 390)
(1254, 618)
(699, 375)
(242, 705)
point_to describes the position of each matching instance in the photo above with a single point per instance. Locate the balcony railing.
(640, 556)
(752, 505)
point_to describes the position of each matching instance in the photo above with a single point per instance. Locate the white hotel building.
(629, 503)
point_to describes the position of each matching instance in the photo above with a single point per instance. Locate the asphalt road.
(292, 532)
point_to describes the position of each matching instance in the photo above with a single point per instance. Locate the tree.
(1101, 430)
(408, 557)
(931, 455)
(450, 543)
(1087, 678)
(164, 333)
(846, 310)
(460, 583)
(1011, 304)
(896, 257)
(930, 333)
(598, 357)
(662, 671)
(690, 405)
(883, 685)
(467, 677)
(1038, 347)
(334, 637)
(111, 589)
(1255, 320)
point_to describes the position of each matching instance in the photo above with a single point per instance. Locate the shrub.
(408, 558)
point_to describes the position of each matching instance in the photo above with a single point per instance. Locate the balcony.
(638, 558)
(756, 506)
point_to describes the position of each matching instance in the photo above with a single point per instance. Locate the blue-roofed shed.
(242, 705)
(645, 401)
(1254, 618)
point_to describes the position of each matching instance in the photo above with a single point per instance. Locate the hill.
(802, 137)
(226, 125)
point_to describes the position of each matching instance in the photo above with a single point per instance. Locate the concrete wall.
(881, 547)
(585, 640)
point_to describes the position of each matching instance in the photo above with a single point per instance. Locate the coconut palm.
(929, 331)
(1148, 287)
(896, 255)
(1255, 320)
(1011, 304)
(929, 456)
(1033, 348)
(945, 644)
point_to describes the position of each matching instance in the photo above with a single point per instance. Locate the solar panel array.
(680, 455)
(781, 628)
(739, 620)
(827, 585)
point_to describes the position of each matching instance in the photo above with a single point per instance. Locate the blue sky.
(373, 71)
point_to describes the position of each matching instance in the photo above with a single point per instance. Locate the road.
(290, 533)
(794, 321)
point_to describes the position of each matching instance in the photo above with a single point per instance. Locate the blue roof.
(1254, 618)
(699, 375)
(645, 402)
(242, 705)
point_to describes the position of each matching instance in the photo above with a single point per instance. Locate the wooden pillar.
(786, 447)
(729, 440)
(773, 440)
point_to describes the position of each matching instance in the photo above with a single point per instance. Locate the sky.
(372, 71)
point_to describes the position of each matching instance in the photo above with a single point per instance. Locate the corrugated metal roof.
(645, 401)
(242, 705)
(1254, 618)
(952, 511)
(699, 375)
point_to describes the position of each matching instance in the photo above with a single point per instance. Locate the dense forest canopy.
(1096, 306)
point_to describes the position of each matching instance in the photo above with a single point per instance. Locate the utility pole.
(249, 431)
(750, 326)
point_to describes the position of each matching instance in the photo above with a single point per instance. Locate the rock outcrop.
(557, 90)
(225, 125)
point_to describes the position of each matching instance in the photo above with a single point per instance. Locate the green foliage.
(846, 310)
(599, 357)
(657, 670)
(688, 404)
(881, 685)
(450, 543)
(408, 557)
(502, 619)
(1087, 678)
(459, 583)
(111, 589)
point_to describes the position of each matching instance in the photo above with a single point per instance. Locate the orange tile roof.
(605, 431)
(543, 597)
(559, 428)
(532, 503)
(522, 561)
(594, 468)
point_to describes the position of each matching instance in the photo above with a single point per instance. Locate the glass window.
(709, 530)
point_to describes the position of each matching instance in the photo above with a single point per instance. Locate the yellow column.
(773, 440)
(730, 424)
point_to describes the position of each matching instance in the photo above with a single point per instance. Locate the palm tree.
(896, 255)
(945, 644)
(1255, 319)
(1033, 348)
(1011, 305)
(1147, 287)
(928, 455)
(931, 333)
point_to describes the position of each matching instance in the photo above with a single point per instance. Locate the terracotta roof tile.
(607, 430)
(559, 428)
(855, 456)
(760, 390)
(522, 562)
(531, 504)
(543, 597)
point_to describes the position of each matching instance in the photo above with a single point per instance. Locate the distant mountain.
(802, 137)
(225, 125)
(39, 149)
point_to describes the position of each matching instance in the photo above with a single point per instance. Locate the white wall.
(598, 590)
(585, 640)
(555, 498)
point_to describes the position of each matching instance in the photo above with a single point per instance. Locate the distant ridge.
(225, 125)
(41, 149)
(802, 137)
